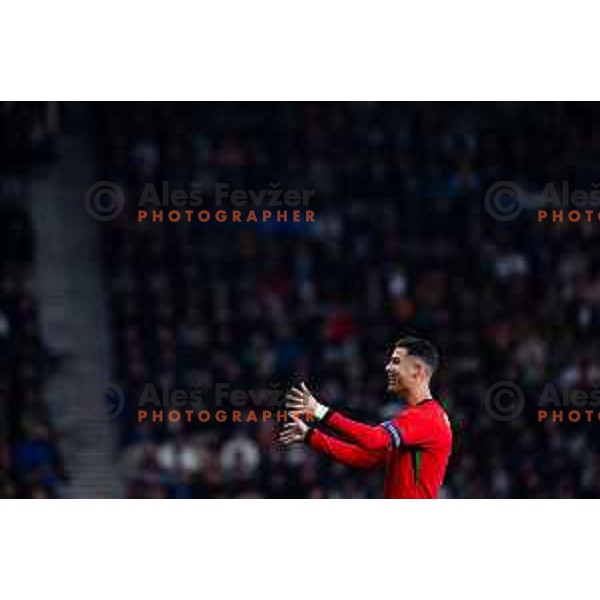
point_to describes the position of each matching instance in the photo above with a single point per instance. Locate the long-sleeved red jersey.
(414, 446)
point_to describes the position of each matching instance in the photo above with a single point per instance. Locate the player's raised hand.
(293, 433)
(300, 400)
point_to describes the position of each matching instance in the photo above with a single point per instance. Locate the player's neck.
(416, 396)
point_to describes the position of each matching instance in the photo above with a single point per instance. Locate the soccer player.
(414, 446)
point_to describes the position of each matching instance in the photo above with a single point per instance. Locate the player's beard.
(395, 386)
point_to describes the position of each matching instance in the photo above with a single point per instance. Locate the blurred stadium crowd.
(30, 464)
(401, 240)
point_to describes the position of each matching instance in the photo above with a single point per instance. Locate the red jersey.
(414, 446)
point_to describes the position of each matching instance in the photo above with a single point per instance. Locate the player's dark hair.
(422, 349)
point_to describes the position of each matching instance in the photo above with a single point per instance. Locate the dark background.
(401, 240)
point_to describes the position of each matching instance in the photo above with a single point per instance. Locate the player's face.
(401, 371)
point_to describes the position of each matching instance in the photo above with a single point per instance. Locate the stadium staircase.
(74, 318)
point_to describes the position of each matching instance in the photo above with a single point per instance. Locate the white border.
(297, 549)
(266, 49)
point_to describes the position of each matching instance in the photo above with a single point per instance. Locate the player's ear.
(421, 371)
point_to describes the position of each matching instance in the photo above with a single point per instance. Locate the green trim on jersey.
(416, 464)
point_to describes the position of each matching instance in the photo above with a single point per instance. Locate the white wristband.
(320, 411)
